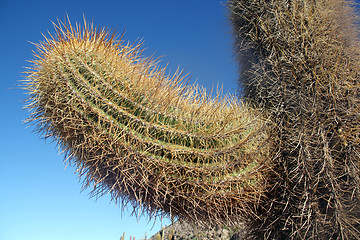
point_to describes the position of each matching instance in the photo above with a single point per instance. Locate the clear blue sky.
(40, 199)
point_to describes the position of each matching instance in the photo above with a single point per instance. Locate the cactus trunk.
(305, 71)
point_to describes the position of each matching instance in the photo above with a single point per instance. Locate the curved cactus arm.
(144, 136)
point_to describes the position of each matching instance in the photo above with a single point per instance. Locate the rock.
(183, 231)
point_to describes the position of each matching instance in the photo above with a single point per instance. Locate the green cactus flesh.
(143, 136)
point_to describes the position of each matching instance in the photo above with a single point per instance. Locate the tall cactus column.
(300, 60)
(143, 136)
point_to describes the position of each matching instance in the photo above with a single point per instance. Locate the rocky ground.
(182, 231)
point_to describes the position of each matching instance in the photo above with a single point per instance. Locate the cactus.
(142, 135)
(286, 157)
(300, 61)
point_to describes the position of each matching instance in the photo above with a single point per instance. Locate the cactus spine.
(144, 136)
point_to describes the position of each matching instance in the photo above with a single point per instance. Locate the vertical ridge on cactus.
(143, 136)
